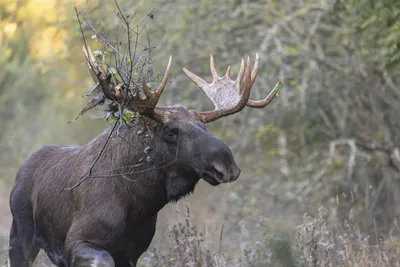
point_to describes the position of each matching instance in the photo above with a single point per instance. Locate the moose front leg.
(84, 254)
(121, 260)
(141, 238)
(87, 240)
(95, 232)
(127, 258)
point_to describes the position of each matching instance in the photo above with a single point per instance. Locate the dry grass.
(188, 247)
(3, 251)
(316, 242)
(319, 243)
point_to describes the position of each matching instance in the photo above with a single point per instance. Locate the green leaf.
(98, 53)
(113, 71)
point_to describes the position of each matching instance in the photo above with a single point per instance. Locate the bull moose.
(110, 218)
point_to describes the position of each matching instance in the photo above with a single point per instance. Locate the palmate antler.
(227, 95)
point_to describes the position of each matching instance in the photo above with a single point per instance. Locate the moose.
(108, 216)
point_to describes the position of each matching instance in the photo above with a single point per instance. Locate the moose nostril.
(229, 174)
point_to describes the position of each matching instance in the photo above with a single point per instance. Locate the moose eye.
(171, 135)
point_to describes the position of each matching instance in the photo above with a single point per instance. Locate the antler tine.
(255, 70)
(164, 81)
(157, 93)
(95, 69)
(248, 82)
(264, 102)
(100, 74)
(148, 104)
(196, 79)
(90, 58)
(241, 72)
(228, 72)
(212, 67)
(146, 90)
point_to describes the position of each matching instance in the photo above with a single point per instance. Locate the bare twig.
(220, 245)
(127, 24)
(105, 41)
(84, 39)
(95, 161)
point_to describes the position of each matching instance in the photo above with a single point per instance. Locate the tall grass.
(316, 242)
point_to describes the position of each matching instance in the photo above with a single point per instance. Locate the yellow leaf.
(10, 28)
(36, 12)
(338, 161)
(70, 93)
(47, 42)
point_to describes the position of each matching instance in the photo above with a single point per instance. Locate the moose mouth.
(212, 177)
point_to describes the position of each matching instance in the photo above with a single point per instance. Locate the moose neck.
(146, 178)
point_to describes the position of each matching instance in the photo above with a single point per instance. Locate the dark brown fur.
(110, 219)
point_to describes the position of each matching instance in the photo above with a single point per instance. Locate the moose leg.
(134, 253)
(121, 260)
(143, 236)
(22, 251)
(87, 239)
(86, 255)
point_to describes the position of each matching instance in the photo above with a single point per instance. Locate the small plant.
(321, 244)
(186, 247)
(3, 251)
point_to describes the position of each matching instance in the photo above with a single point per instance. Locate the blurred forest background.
(320, 182)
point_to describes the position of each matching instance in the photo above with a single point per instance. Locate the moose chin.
(104, 214)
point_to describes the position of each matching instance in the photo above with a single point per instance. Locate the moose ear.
(161, 114)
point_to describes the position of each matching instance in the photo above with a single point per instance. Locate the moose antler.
(227, 95)
(117, 92)
(147, 105)
(100, 75)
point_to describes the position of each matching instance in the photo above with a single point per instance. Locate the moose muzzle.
(217, 164)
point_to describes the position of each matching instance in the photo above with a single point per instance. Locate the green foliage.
(282, 251)
(19, 89)
(378, 25)
(18, 72)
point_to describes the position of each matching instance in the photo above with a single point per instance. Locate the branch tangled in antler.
(228, 96)
(121, 93)
(119, 82)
